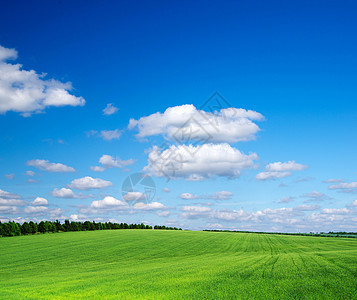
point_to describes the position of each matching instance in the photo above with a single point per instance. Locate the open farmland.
(153, 264)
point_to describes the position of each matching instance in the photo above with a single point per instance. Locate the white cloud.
(279, 170)
(10, 176)
(188, 196)
(134, 196)
(27, 92)
(11, 202)
(286, 166)
(222, 195)
(8, 209)
(163, 213)
(286, 199)
(109, 135)
(97, 168)
(271, 175)
(39, 201)
(63, 193)
(78, 218)
(337, 211)
(166, 190)
(109, 202)
(30, 180)
(332, 180)
(110, 162)
(30, 173)
(316, 196)
(35, 209)
(45, 165)
(209, 160)
(88, 182)
(149, 206)
(227, 125)
(343, 185)
(110, 109)
(7, 195)
(7, 54)
(354, 203)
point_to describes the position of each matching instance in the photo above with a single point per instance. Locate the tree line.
(16, 229)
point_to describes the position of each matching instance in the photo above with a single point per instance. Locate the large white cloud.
(45, 165)
(28, 92)
(203, 161)
(186, 123)
(279, 170)
(88, 182)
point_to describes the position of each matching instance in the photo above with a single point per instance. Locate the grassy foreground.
(148, 264)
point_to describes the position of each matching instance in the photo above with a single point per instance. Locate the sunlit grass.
(149, 264)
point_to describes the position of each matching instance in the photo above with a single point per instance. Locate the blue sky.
(291, 67)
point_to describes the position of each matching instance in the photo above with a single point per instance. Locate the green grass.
(146, 264)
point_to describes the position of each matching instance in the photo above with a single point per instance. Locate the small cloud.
(188, 196)
(30, 173)
(111, 162)
(97, 168)
(286, 199)
(10, 176)
(304, 179)
(45, 165)
(163, 213)
(109, 135)
(110, 109)
(68, 194)
(279, 170)
(88, 182)
(39, 201)
(149, 206)
(222, 195)
(332, 180)
(349, 186)
(272, 175)
(30, 180)
(166, 190)
(7, 195)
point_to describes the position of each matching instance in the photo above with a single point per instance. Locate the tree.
(33, 227)
(25, 228)
(42, 227)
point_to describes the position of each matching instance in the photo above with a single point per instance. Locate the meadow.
(154, 264)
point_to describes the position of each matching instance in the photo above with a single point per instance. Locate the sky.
(237, 115)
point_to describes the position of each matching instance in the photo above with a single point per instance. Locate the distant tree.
(25, 228)
(33, 227)
(42, 227)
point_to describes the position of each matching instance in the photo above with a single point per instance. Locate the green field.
(154, 264)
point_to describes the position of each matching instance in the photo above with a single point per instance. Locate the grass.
(147, 264)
